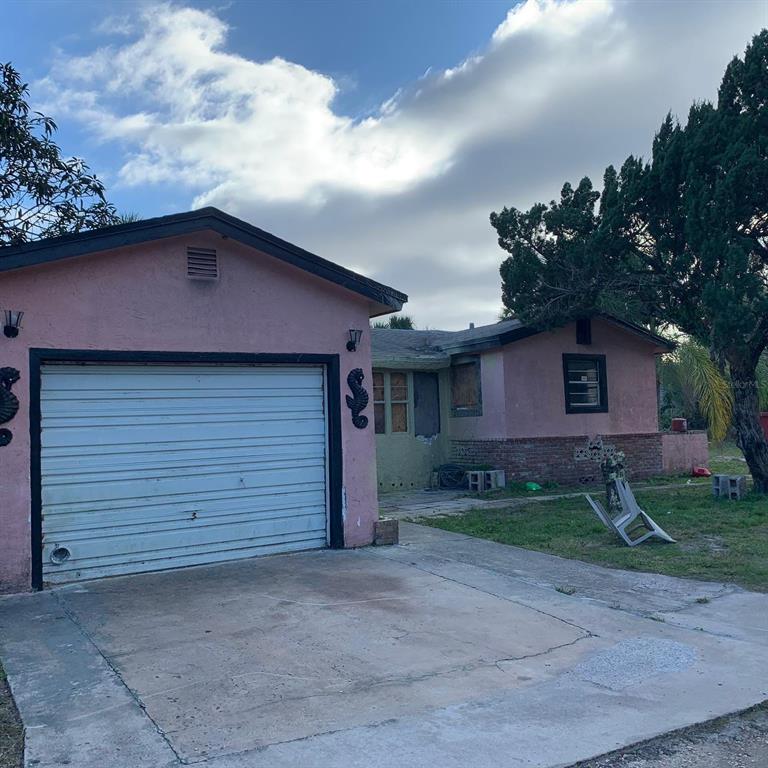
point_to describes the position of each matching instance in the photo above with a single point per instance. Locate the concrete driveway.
(446, 650)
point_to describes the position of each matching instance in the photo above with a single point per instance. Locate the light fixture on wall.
(12, 323)
(354, 339)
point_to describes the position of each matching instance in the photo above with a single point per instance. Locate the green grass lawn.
(717, 540)
(727, 459)
(11, 735)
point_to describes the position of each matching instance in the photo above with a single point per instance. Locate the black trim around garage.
(38, 357)
(177, 224)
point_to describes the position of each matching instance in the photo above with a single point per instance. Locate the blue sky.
(378, 134)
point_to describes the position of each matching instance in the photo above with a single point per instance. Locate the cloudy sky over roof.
(377, 135)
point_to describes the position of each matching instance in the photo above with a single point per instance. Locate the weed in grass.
(566, 590)
(702, 600)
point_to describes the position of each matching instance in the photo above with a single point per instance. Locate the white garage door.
(147, 467)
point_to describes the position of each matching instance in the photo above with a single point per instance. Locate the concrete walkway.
(413, 504)
(446, 650)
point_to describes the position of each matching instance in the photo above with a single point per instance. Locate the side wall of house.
(532, 436)
(140, 299)
(535, 391)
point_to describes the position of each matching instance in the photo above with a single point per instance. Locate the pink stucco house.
(510, 397)
(176, 394)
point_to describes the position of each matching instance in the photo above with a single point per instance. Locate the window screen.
(585, 384)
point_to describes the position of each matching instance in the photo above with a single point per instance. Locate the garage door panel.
(150, 479)
(73, 463)
(190, 433)
(241, 471)
(142, 452)
(154, 560)
(189, 378)
(70, 516)
(193, 501)
(282, 546)
(194, 534)
(157, 488)
(71, 527)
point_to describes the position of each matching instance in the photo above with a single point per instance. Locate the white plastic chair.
(631, 520)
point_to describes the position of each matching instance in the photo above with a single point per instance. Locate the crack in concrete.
(424, 569)
(637, 612)
(72, 616)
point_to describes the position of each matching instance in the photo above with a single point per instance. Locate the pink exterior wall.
(682, 451)
(536, 394)
(524, 394)
(139, 298)
(492, 421)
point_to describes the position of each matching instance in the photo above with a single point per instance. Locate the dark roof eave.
(135, 233)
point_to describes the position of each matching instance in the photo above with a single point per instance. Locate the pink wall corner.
(535, 396)
(682, 451)
(139, 298)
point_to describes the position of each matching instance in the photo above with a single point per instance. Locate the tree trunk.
(746, 420)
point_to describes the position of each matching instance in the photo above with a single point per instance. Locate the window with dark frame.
(585, 384)
(466, 393)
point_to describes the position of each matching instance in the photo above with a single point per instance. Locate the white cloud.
(563, 88)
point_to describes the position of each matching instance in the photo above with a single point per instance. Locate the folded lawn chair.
(631, 521)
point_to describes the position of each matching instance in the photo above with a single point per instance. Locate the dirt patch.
(735, 741)
(11, 733)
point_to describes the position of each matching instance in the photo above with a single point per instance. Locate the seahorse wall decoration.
(360, 400)
(9, 403)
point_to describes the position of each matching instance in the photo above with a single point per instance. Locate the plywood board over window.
(426, 403)
(466, 394)
(398, 398)
(379, 403)
(391, 402)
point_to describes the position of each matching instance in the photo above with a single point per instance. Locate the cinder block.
(476, 480)
(732, 487)
(494, 478)
(386, 531)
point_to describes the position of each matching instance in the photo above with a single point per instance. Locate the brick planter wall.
(552, 458)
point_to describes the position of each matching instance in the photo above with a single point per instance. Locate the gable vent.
(202, 264)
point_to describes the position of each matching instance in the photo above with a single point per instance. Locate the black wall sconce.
(12, 323)
(354, 339)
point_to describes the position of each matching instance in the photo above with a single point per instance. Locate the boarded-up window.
(398, 399)
(390, 401)
(466, 395)
(426, 404)
(585, 384)
(379, 404)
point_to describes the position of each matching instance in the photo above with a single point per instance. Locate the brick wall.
(552, 458)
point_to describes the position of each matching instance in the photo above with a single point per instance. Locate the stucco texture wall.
(523, 392)
(139, 298)
(535, 393)
(493, 383)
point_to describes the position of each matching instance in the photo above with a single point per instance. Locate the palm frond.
(712, 390)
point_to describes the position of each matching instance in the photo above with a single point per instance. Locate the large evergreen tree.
(681, 240)
(42, 194)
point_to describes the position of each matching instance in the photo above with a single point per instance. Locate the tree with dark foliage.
(680, 240)
(42, 194)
